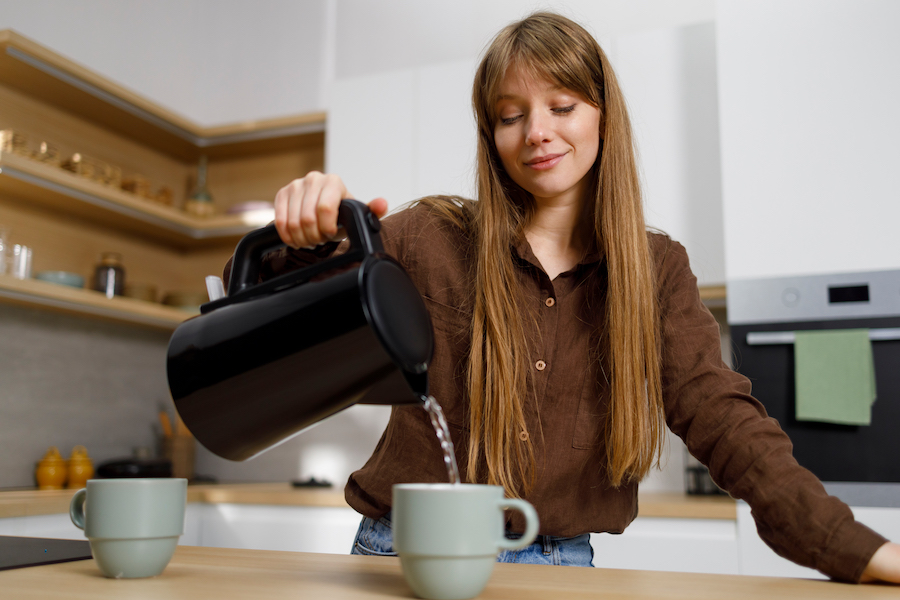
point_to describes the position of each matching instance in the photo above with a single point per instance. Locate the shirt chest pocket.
(447, 371)
(590, 418)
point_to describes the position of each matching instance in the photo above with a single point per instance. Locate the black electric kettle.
(270, 359)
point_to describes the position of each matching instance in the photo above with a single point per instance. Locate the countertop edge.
(25, 503)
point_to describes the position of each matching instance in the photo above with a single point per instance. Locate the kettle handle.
(362, 228)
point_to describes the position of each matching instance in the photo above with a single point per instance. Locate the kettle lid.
(397, 314)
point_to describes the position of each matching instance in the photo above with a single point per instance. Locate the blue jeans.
(374, 538)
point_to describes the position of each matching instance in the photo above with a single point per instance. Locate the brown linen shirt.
(706, 403)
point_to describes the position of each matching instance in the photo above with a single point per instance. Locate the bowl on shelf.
(62, 278)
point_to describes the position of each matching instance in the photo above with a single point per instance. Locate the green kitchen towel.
(835, 376)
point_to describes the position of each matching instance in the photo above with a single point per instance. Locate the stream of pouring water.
(443, 434)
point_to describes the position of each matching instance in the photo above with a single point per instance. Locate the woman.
(567, 337)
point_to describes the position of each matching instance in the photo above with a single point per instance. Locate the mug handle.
(531, 523)
(76, 508)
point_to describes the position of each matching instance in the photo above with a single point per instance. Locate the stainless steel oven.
(763, 315)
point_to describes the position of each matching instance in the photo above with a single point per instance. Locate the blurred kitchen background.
(766, 129)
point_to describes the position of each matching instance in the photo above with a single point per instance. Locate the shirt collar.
(522, 250)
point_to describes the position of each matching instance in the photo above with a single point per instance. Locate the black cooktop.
(18, 552)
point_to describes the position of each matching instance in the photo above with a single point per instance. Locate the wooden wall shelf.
(70, 220)
(48, 186)
(31, 292)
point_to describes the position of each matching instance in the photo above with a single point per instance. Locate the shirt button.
(550, 301)
(523, 436)
(540, 365)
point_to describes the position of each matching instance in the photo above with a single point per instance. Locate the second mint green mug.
(448, 536)
(133, 525)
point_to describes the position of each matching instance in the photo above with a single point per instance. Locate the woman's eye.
(564, 109)
(510, 120)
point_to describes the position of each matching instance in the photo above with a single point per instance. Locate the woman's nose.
(536, 130)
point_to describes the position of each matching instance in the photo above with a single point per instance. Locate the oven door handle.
(768, 338)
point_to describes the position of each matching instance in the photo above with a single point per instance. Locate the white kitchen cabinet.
(671, 544)
(46, 526)
(256, 527)
(261, 527)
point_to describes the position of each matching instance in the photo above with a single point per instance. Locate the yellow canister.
(51, 471)
(81, 468)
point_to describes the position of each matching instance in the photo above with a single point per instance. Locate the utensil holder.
(180, 449)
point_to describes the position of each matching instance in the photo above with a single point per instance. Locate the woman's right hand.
(306, 210)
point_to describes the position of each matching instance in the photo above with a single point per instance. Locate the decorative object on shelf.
(94, 169)
(14, 142)
(109, 275)
(137, 184)
(51, 471)
(47, 153)
(140, 186)
(21, 262)
(200, 203)
(80, 467)
(62, 278)
(164, 195)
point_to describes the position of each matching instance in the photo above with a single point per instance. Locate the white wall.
(669, 80)
(413, 134)
(374, 37)
(808, 95)
(213, 61)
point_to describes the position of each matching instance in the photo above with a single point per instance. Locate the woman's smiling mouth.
(544, 162)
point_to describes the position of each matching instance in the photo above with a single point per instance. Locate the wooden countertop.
(227, 574)
(23, 503)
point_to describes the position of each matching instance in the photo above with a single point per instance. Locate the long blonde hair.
(558, 50)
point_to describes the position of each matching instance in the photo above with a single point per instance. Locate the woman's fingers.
(306, 210)
(379, 206)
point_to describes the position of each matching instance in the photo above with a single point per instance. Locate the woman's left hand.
(884, 565)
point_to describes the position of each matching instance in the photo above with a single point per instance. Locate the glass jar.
(109, 275)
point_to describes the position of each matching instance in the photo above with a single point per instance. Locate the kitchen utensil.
(273, 358)
(133, 525)
(61, 278)
(109, 275)
(180, 449)
(80, 467)
(448, 535)
(51, 471)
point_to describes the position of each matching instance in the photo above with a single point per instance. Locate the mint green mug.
(133, 525)
(448, 536)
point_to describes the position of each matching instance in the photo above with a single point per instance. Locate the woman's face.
(547, 137)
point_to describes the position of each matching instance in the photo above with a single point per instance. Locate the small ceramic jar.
(51, 471)
(80, 467)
